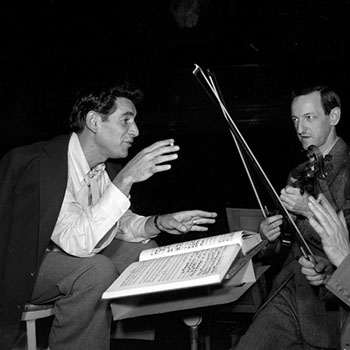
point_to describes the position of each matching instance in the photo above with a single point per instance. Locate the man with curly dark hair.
(67, 229)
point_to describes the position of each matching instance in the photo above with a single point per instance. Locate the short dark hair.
(100, 99)
(329, 98)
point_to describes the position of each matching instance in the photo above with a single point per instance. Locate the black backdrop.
(258, 50)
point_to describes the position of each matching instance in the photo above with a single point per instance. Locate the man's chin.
(120, 154)
(306, 144)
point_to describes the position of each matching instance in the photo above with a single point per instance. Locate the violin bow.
(215, 85)
(214, 93)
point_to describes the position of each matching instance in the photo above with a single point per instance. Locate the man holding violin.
(298, 315)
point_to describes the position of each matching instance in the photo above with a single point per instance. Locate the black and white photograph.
(175, 174)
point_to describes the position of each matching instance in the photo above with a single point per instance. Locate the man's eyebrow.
(308, 113)
(128, 114)
(303, 115)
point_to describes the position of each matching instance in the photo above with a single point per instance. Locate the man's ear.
(92, 121)
(334, 116)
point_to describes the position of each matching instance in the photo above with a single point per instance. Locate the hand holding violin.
(295, 197)
(295, 202)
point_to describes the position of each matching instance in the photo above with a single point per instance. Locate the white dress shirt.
(94, 211)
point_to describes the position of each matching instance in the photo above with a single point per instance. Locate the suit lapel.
(53, 175)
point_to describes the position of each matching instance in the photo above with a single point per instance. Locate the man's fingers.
(325, 206)
(320, 266)
(326, 216)
(160, 144)
(164, 149)
(306, 263)
(324, 211)
(201, 213)
(160, 168)
(203, 221)
(276, 219)
(199, 228)
(315, 282)
(342, 218)
(165, 158)
(317, 227)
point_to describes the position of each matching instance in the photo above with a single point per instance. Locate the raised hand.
(146, 163)
(332, 229)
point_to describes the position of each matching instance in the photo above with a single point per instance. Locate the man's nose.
(134, 130)
(300, 127)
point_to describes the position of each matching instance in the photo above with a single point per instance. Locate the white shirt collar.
(79, 162)
(77, 158)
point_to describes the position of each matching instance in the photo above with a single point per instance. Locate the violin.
(305, 176)
(315, 167)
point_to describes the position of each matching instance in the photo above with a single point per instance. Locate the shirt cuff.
(339, 284)
(113, 202)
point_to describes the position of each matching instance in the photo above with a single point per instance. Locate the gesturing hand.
(146, 163)
(185, 221)
(332, 229)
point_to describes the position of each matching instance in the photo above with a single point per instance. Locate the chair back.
(244, 219)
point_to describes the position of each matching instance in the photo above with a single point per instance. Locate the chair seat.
(31, 313)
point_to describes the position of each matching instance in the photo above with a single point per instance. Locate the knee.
(104, 269)
(100, 272)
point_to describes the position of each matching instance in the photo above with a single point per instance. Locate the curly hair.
(101, 100)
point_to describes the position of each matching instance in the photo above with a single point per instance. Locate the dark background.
(259, 51)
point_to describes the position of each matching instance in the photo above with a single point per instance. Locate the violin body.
(305, 176)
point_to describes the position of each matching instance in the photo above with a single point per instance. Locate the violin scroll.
(315, 167)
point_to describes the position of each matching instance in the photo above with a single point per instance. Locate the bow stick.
(214, 94)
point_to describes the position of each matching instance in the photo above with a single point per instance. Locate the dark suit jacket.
(33, 181)
(32, 185)
(318, 311)
(339, 285)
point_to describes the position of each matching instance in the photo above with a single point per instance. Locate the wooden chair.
(32, 313)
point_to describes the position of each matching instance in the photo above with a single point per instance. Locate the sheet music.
(178, 267)
(204, 267)
(194, 245)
